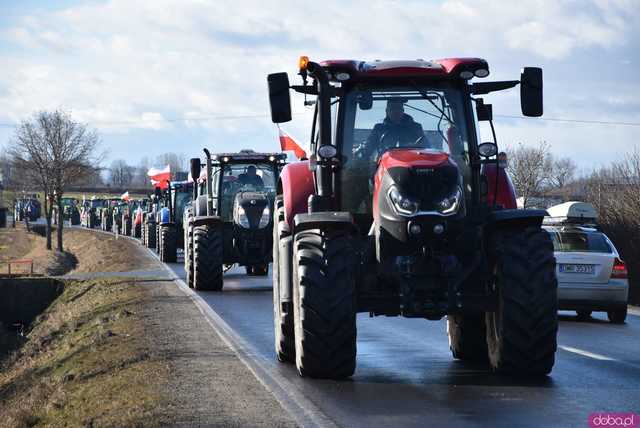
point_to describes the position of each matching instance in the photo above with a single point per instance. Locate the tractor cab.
(400, 210)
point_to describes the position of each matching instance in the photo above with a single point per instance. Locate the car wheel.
(618, 316)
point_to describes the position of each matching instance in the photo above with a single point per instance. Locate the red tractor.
(400, 211)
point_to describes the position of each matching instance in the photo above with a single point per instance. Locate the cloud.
(126, 67)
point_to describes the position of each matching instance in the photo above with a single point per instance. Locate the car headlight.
(451, 203)
(264, 219)
(242, 218)
(402, 204)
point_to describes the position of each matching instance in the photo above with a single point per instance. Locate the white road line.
(634, 310)
(598, 357)
(586, 353)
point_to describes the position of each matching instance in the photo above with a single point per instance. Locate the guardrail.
(19, 262)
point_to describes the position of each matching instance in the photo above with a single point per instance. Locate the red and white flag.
(288, 143)
(125, 196)
(160, 177)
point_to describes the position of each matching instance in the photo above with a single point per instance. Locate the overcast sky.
(135, 70)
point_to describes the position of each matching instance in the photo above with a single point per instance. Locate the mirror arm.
(482, 88)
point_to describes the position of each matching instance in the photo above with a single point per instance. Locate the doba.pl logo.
(614, 420)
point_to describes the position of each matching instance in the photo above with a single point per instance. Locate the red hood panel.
(407, 158)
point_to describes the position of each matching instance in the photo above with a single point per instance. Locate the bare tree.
(55, 152)
(530, 169)
(177, 161)
(562, 173)
(615, 192)
(121, 174)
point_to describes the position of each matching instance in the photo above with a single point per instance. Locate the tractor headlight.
(264, 219)
(242, 218)
(402, 204)
(451, 203)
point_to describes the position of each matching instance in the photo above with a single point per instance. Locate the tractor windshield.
(376, 120)
(254, 177)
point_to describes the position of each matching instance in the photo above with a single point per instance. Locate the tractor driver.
(251, 178)
(398, 129)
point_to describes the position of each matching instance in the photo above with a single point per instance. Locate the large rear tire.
(207, 258)
(282, 311)
(521, 333)
(168, 242)
(468, 337)
(324, 304)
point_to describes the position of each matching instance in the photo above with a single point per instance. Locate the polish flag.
(288, 143)
(125, 196)
(159, 177)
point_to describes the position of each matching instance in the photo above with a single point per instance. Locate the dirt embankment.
(86, 361)
(85, 251)
(124, 352)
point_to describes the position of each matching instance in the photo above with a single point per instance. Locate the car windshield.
(376, 120)
(579, 241)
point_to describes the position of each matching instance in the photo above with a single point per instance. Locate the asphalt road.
(406, 376)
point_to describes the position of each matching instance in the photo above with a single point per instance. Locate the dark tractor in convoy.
(70, 211)
(149, 223)
(171, 231)
(230, 218)
(400, 211)
(28, 207)
(89, 213)
(106, 214)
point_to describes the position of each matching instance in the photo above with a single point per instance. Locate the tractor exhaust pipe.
(316, 71)
(209, 188)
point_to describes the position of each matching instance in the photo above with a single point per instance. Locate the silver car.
(591, 275)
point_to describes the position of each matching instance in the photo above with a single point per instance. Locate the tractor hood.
(412, 182)
(251, 210)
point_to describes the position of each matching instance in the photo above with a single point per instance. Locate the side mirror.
(484, 111)
(531, 91)
(365, 100)
(487, 150)
(195, 169)
(279, 98)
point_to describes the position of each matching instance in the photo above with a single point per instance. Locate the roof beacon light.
(466, 74)
(481, 72)
(303, 62)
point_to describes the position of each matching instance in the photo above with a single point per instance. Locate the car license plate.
(573, 268)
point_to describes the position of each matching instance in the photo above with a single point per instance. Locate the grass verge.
(86, 361)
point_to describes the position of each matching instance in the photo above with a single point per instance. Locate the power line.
(262, 116)
(172, 120)
(550, 119)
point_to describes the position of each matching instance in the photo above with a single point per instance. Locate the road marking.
(598, 357)
(586, 353)
(634, 310)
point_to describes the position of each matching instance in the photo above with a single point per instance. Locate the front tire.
(188, 255)
(168, 241)
(282, 311)
(207, 258)
(522, 333)
(325, 308)
(151, 235)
